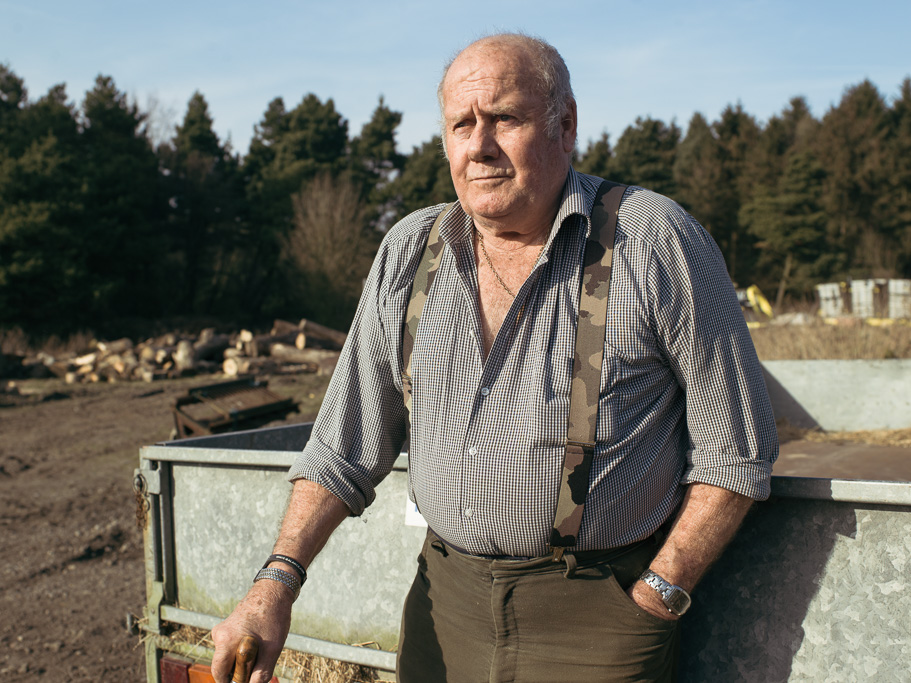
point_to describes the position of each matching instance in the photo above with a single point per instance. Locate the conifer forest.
(103, 222)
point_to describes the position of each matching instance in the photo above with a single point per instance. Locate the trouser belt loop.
(571, 564)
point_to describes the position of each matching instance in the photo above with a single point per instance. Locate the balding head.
(508, 137)
(546, 69)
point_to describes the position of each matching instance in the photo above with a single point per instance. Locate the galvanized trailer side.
(814, 587)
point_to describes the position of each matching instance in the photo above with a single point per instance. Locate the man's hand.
(708, 519)
(265, 613)
(647, 599)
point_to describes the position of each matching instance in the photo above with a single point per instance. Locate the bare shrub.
(329, 244)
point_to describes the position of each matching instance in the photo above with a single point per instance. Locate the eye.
(506, 118)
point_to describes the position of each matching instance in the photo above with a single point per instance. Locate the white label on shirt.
(412, 516)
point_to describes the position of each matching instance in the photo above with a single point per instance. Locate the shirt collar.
(578, 197)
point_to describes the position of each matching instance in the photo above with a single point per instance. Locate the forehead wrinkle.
(492, 94)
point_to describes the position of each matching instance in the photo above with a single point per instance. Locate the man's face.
(507, 171)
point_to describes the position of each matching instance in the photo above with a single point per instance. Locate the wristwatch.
(676, 599)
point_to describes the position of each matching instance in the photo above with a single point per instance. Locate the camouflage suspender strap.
(587, 360)
(423, 279)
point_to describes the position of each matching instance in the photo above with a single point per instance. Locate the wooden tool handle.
(245, 659)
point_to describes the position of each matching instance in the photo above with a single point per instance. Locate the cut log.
(184, 356)
(304, 341)
(325, 359)
(116, 346)
(164, 354)
(282, 328)
(233, 367)
(327, 336)
(87, 359)
(262, 344)
(211, 347)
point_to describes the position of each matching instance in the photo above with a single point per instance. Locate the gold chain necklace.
(494, 270)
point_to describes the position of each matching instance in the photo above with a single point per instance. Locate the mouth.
(489, 176)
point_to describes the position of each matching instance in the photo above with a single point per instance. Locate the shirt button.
(469, 512)
(485, 391)
(472, 451)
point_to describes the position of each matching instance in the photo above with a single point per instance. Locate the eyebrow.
(497, 110)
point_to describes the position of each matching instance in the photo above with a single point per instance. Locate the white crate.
(900, 298)
(831, 305)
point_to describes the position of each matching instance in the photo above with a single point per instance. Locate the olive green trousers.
(473, 620)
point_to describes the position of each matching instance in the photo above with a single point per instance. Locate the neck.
(511, 242)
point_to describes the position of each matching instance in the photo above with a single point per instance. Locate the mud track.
(71, 565)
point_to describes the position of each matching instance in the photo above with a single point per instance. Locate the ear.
(568, 127)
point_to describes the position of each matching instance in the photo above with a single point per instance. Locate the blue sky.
(661, 59)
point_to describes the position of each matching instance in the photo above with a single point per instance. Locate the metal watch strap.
(280, 575)
(668, 591)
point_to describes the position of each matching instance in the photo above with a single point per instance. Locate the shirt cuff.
(751, 478)
(321, 465)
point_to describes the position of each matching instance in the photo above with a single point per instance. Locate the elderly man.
(550, 556)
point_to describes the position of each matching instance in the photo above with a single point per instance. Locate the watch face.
(677, 601)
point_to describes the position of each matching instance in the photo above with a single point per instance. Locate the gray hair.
(549, 74)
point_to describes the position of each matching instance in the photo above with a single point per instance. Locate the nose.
(483, 144)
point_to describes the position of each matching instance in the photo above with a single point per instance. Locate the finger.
(223, 660)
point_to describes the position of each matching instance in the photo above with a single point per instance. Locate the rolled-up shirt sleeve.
(362, 422)
(733, 441)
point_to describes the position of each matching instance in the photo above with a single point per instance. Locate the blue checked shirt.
(682, 395)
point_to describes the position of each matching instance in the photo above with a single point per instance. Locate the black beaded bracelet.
(298, 567)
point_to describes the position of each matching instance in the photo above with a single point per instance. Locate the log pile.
(287, 348)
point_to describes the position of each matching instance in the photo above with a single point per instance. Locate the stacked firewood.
(287, 348)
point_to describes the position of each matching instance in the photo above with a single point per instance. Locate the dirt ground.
(71, 563)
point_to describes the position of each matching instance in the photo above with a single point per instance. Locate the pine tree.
(894, 202)
(850, 145)
(13, 99)
(698, 173)
(645, 156)
(425, 180)
(736, 132)
(789, 222)
(289, 149)
(596, 158)
(204, 186)
(123, 207)
(374, 163)
(43, 275)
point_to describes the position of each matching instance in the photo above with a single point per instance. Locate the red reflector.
(174, 670)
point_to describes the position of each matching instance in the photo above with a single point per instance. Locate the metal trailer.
(814, 587)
